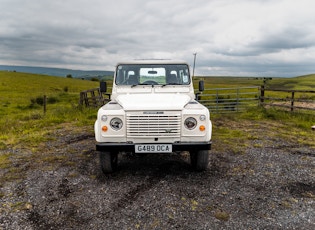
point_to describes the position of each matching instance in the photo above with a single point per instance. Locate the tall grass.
(22, 118)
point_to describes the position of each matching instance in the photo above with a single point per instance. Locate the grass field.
(22, 120)
(306, 82)
(23, 123)
(24, 127)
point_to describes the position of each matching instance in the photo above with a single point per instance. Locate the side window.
(184, 76)
(120, 78)
(174, 72)
(123, 75)
(130, 73)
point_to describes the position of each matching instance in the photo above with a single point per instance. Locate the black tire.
(108, 162)
(199, 160)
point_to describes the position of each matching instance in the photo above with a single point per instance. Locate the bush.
(95, 79)
(52, 100)
(40, 100)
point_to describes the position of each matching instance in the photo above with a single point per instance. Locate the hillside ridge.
(59, 72)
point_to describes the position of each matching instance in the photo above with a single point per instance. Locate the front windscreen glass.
(157, 74)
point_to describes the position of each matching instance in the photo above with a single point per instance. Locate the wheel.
(199, 160)
(108, 161)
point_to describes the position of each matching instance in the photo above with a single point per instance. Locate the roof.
(153, 61)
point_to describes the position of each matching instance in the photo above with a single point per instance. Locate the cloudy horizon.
(231, 38)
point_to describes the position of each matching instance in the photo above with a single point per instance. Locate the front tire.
(199, 160)
(108, 162)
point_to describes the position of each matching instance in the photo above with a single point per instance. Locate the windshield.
(156, 74)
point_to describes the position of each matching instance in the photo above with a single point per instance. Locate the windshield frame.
(152, 74)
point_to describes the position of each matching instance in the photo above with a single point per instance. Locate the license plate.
(156, 148)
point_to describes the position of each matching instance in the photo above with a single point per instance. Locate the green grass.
(22, 118)
(17, 89)
(306, 82)
(23, 122)
(235, 132)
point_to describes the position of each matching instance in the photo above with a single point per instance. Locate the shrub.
(65, 89)
(52, 100)
(95, 79)
(40, 101)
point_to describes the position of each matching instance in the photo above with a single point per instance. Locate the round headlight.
(202, 117)
(104, 118)
(190, 123)
(116, 123)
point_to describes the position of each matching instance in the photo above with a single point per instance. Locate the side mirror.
(103, 87)
(201, 86)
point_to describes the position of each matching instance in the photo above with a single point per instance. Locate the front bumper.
(130, 147)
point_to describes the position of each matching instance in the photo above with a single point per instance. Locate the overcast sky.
(230, 37)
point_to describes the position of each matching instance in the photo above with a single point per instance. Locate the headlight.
(190, 123)
(202, 117)
(116, 123)
(104, 118)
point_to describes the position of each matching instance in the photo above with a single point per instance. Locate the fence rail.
(93, 98)
(226, 100)
(290, 99)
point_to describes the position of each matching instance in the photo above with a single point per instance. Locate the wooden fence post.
(238, 98)
(45, 103)
(262, 95)
(217, 100)
(81, 98)
(292, 101)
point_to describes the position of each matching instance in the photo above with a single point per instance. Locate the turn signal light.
(202, 128)
(104, 128)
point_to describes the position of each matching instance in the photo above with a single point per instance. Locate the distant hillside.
(305, 82)
(87, 74)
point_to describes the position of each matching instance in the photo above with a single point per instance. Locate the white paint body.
(155, 107)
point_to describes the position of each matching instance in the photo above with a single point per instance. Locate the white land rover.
(153, 110)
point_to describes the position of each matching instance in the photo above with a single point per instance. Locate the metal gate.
(227, 100)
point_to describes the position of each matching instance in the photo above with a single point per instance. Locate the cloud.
(230, 37)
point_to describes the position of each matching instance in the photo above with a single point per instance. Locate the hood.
(153, 101)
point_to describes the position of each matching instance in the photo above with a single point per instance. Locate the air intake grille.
(153, 125)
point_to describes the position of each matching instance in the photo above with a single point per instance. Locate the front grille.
(153, 125)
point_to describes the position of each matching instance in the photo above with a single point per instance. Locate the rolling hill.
(57, 71)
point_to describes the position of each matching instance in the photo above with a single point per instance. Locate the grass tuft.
(221, 215)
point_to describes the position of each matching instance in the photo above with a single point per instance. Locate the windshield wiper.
(141, 84)
(152, 84)
(171, 84)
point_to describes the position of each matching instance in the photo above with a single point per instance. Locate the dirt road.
(269, 185)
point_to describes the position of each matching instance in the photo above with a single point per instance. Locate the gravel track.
(270, 185)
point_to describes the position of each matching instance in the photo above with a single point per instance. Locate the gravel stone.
(270, 185)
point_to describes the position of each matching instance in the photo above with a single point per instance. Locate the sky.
(261, 38)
